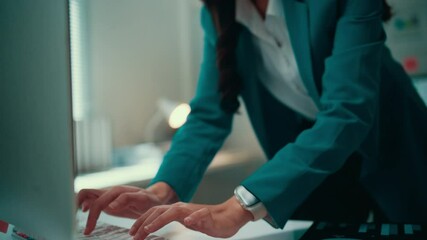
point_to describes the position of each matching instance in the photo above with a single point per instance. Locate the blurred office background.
(131, 58)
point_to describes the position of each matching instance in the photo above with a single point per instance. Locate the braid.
(230, 83)
(387, 13)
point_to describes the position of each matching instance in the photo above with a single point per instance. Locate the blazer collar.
(297, 20)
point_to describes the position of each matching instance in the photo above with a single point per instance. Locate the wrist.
(250, 203)
(164, 192)
(236, 212)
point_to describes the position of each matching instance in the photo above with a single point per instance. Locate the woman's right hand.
(123, 201)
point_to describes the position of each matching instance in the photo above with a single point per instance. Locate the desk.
(259, 230)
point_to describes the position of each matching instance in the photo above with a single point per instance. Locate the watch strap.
(250, 202)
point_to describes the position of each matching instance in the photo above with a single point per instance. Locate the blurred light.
(179, 115)
(169, 115)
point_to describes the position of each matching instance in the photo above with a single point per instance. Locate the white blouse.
(279, 71)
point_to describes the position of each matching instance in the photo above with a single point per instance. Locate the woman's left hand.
(222, 220)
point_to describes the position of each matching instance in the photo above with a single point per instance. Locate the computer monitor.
(36, 154)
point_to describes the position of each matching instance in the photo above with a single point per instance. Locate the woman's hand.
(123, 201)
(223, 220)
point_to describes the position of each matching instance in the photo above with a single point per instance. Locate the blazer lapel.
(296, 15)
(297, 21)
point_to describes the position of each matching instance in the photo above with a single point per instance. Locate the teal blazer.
(367, 105)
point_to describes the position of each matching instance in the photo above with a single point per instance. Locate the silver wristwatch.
(251, 203)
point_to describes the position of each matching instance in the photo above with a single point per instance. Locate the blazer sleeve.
(349, 100)
(195, 144)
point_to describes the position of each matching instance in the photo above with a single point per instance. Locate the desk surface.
(259, 230)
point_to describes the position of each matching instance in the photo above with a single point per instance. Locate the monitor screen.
(36, 167)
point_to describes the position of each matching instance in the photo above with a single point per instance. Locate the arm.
(196, 143)
(193, 148)
(348, 109)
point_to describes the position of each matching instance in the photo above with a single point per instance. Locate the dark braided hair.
(230, 84)
(387, 13)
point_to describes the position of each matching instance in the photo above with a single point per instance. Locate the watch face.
(247, 198)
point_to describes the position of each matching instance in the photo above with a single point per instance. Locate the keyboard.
(105, 231)
(365, 231)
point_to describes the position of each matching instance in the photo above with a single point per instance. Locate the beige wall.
(140, 51)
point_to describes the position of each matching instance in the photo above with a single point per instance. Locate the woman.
(339, 120)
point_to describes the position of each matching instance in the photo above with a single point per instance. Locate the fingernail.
(132, 231)
(188, 220)
(113, 205)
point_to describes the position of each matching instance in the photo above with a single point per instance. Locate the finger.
(126, 213)
(86, 204)
(95, 193)
(141, 220)
(155, 211)
(100, 204)
(197, 216)
(142, 231)
(172, 214)
(198, 219)
(87, 193)
(95, 210)
(128, 200)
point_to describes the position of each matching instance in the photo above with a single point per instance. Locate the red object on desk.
(3, 226)
(411, 64)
